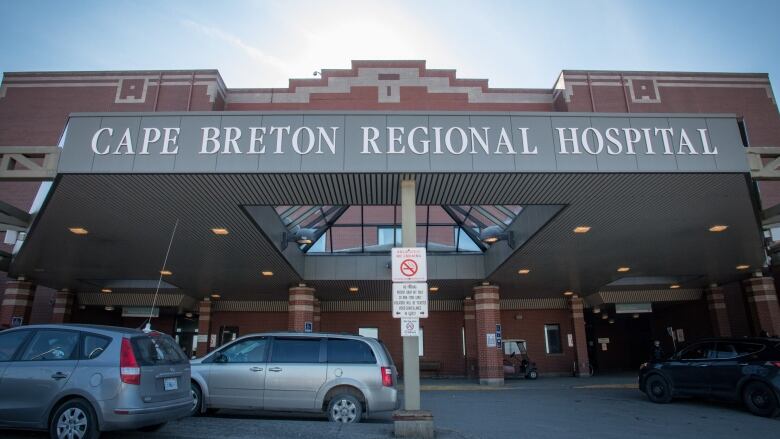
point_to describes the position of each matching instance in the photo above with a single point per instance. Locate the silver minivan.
(79, 380)
(345, 376)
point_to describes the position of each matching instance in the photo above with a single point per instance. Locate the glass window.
(700, 351)
(245, 351)
(350, 351)
(319, 245)
(420, 343)
(93, 346)
(465, 243)
(724, 351)
(157, 348)
(296, 350)
(388, 235)
(552, 339)
(748, 348)
(52, 344)
(369, 332)
(10, 342)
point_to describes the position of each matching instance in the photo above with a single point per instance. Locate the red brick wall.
(249, 322)
(529, 324)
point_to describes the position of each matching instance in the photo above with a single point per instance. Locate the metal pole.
(411, 344)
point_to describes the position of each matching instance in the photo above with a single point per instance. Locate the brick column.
(17, 302)
(580, 338)
(316, 317)
(487, 313)
(204, 327)
(470, 334)
(63, 305)
(762, 302)
(719, 316)
(301, 307)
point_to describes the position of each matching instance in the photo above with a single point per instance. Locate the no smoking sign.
(409, 264)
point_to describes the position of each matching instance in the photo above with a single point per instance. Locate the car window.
(93, 346)
(245, 351)
(350, 351)
(296, 350)
(724, 351)
(700, 351)
(52, 345)
(748, 348)
(10, 342)
(157, 348)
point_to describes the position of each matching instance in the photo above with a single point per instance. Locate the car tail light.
(387, 377)
(773, 363)
(128, 366)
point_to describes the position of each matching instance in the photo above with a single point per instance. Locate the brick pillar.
(301, 308)
(487, 314)
(204, 327)
(580, 338)
(470, 334)
(719, 315)
(17, 302)
(316, 315)
(63, 305)
(762, 302)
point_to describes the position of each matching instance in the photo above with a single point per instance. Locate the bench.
(430, 366)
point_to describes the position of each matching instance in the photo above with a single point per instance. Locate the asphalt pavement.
(599, 407)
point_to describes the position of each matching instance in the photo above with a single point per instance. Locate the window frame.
(75, 355)
(547, 340)
(83, 339)
(365, 344)
(696, 346)
(23, 345)
(221, 351)
(322, 359)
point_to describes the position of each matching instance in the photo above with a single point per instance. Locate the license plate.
(171, 384)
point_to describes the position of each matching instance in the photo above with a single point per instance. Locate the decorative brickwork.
(487, 311)
(470, 335)
(204, 327)
(580, 339)
(301, 308)
(762, 303)
(317, 316)
(719, 316)
(63, 305)
(17, 302)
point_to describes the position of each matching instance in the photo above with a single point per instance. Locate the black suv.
(736, 369)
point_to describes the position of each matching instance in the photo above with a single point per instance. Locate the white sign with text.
(409, 264)
(410, 300)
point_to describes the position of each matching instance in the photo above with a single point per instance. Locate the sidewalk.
(611, 381)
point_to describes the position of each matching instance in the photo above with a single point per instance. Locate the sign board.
(140, 311)
(307, 326)
(203, 338)
(410, 327)
(633, 308)
(16, 321)
(571, 340)
(491, 340)
(680, 335)
(213, 342)
(410, 300)
(603, 346)
(498, 335)
(604, 340)
(409, 264)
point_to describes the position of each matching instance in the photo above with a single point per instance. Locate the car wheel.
(151, 428)
(74, 419)
(532, 375)
(345, 408)
(760, 399)
(658, 389)
(197, 400)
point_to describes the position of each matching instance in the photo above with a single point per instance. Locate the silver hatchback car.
(79, 380)
(345, 376)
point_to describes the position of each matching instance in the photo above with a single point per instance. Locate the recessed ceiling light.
(433, 289)
(636, 316)
(78, 230)
(267, 273)
(611, 321)
(568, 293)
(623, 269)
(166, 272)
(523, 271)
(215, 296)
(718, 228)
(109, 308)
(220, 231)
(353, 289)
(604, 317)
(188, 315)
(674, 286)
(596, 310)
(743, 267)
(105, 290)
(582, 229)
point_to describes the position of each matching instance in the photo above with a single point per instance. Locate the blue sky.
(512, 43)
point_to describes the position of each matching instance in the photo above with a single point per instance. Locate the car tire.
(345, 408)
(75, 416)
(151, 428)
(760, 399)
(532, 375)
(658, 389)
(197, 400)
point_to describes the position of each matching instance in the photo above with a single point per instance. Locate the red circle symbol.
(408, 267)
(410, 326)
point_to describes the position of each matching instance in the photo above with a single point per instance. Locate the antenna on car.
(147, 326)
